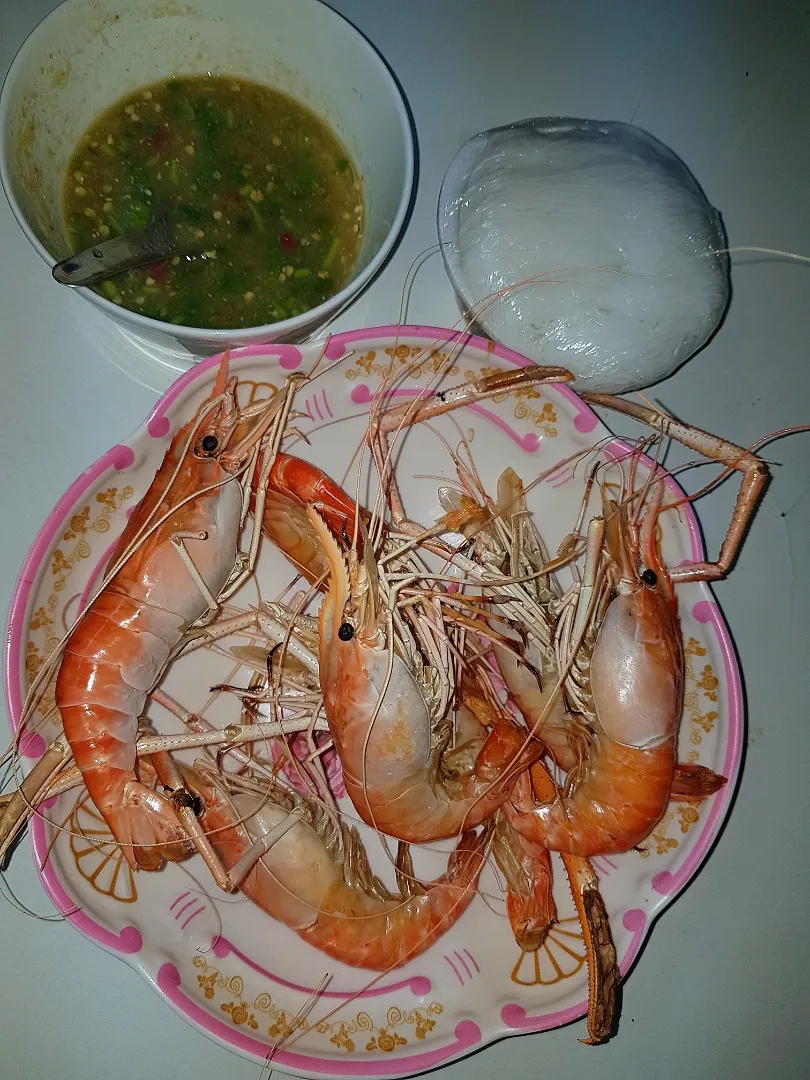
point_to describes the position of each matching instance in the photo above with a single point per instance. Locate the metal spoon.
(111, 257)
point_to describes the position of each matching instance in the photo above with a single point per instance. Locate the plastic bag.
(610, 232)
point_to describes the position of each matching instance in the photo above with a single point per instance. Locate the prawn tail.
(526, 867)
(146, 826)
(693, 783)
(531, 916)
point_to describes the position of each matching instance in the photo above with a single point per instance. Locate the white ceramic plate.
(219, 961)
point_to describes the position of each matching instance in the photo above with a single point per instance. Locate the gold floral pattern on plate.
(98, 857)
(701, 687)
(416, 358)
(561, 956)
(543, 417)
(255, 1014)
(45, 629)
(704, 685)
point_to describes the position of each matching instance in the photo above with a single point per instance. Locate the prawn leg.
(414, 412)
(260, 847)
(45, 780)
(200, 637)
(66, 780)
(177, 541)
(20, 803)
(386, 421)
(280, 634)
(754, 479)
(604, 977)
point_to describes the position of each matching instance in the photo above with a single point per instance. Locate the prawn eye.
(649, 577)
(346, 631)
(209, 444)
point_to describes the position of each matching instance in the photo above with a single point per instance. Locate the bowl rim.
(191, 335)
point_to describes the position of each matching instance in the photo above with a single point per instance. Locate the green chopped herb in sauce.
(261, 192)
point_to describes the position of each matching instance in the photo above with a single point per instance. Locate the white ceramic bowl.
(89, 53)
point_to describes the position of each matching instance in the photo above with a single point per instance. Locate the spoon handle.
(114, 256)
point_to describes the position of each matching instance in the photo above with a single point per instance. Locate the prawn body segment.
(292, 484)
(327, 895)
(636, 691)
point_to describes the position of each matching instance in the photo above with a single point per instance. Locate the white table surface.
(721, 988)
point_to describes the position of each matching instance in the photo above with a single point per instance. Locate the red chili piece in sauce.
(157, 270)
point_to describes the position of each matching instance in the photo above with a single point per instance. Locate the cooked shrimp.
(513, 552)
(315, 877)
(635, 692)
(530, 673)
(292, 484)
(626, 677)
(388, 740)
(174, 558)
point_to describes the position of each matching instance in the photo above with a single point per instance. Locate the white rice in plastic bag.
(615, 227)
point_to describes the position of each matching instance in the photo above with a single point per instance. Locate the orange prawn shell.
(636, 684)
(121, 643)
(381, 724)
(292, 485)
(342, 921)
